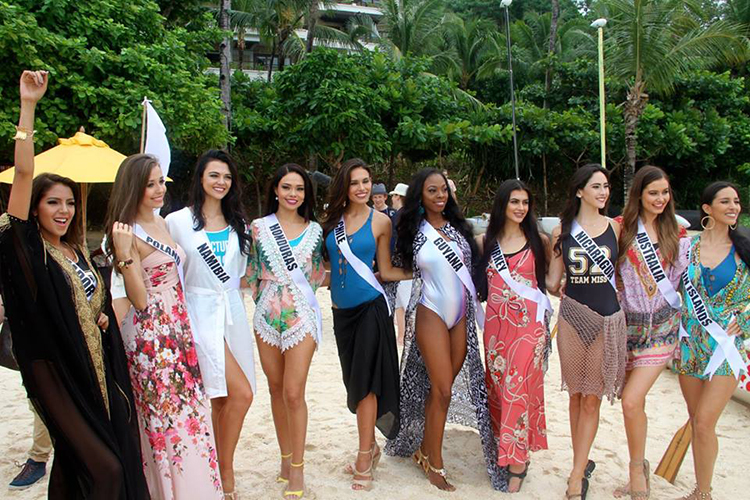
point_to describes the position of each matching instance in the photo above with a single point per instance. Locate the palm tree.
(466, 44)
(225, 58)
(412, 26)
(652, 42)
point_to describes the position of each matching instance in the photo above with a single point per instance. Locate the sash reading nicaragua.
(294, 270)
(525, 291)
(456, 264)
(88, 280)
(594, 252)
(363, 270)
(163, 248)
(725, 347)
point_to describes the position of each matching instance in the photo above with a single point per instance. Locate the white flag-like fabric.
(156, 138)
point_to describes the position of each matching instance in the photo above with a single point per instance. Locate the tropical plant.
(412, 27)
(650, 43)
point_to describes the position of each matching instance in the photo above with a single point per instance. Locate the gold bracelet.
(23, 133)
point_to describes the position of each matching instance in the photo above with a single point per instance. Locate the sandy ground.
(332, 441)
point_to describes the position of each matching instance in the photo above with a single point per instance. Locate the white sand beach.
(332, 442)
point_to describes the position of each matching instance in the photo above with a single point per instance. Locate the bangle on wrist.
(23, 134)
(124, 264)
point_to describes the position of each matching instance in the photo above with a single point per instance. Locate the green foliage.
(104, 56)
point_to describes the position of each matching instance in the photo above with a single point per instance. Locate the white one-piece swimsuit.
(442, 289)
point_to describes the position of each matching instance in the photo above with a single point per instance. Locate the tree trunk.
(312, 20)
(225, 58)
(258, 197)
(270, 62)
(391, 168)
(634, 105)
(240, 47)
(548, 85)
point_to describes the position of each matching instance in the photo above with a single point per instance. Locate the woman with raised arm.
(285, 269)
(442, 377)
(652, 256)
(715, 311)
(213, 233)
(179, 454)
(355, 235)
(511, 277)
(592, 335)
(65, 338)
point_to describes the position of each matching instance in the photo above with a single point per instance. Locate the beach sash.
(648, 252)
(520, 289)
(213, 263)
(88, 279)
(363, 270)
(594, 252)
(295, 271)
(163, 248)
(456, 264)
(725, 347)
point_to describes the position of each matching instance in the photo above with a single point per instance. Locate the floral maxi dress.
(174, 416)
(516, 349)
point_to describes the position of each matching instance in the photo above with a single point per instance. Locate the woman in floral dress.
(285, 320)
(179, 454)
(516, 338)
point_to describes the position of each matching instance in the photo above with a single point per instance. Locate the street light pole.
(505, 4)
(599, 24)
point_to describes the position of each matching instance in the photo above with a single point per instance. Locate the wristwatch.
(122, 264)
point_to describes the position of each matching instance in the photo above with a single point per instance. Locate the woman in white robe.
(213, 233)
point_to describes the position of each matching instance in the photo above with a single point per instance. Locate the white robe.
(217, 311)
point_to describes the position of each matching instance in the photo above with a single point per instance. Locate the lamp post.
(505, 4)
(599, 24)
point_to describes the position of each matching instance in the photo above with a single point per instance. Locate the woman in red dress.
(516, 338)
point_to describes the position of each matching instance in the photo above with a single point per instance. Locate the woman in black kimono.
(65, 337)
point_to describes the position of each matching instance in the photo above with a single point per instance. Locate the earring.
(711, 220)
(421, 209)
(277, 198)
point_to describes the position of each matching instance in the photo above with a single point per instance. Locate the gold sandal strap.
(297, 465)
(288, 455)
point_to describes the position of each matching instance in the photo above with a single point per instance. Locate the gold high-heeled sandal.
(625, 489)
(280, 479)
(440, 472)
(298, 493)
(697, 494)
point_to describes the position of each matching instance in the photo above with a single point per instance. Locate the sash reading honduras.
(88, 279)
(456, 264)
(594, 252)
(163, 248)
(364, 271)
(294, 270)
(725, 347)
(525, 291)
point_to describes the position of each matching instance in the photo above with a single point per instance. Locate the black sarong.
(366, 342)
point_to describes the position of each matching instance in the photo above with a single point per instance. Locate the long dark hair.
(411, 218)
(307, 209)
(496, 229)
(231, 205)
(338, 193)
(573, 205)
(740, 236)
(127, 193)
(665, 224)
(43, 183)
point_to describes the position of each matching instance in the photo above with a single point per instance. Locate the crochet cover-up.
(469, 405)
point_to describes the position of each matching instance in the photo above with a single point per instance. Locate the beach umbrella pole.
(599, 24)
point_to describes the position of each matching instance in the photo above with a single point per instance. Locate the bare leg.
(443, 354)
(367, 414)
(228, 416)
(714, 396)
(639, 382)
(587, 425)
(400, 316)
(273, 363)
(296, 367)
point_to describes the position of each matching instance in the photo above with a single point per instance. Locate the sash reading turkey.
(524, 291)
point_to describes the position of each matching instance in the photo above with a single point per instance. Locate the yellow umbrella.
(82, 158)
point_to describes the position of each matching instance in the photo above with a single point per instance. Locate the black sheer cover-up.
(469, 406)
(366, 343)
(75, 376)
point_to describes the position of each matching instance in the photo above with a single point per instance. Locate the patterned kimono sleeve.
(743, 303)
(317, 269)
(254, 265)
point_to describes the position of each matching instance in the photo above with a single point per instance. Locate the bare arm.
(480, 242)
(556, 266)
(125, 250)
(33, 86)
(382, 230)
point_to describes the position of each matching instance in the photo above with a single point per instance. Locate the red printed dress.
(174, 413)
(516, 348)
